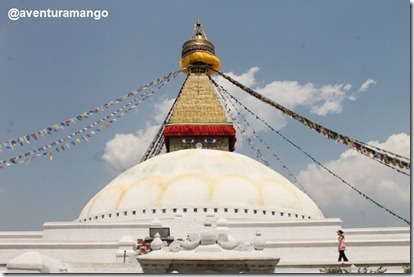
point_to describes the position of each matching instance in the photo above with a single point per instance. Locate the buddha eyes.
(209, 140)
(188, 140)
(191, 140)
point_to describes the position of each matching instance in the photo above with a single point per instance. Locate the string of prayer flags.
(12, 143)
(85, 133)
(380, 155)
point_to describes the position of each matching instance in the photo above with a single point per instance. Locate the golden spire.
(198, 53)
(198, 119)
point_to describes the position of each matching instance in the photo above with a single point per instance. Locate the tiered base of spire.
(198, 119)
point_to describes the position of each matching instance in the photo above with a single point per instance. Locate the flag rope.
(384, 158)
(157, 143)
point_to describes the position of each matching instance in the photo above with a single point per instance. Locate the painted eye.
(209, 140)
(188, 140)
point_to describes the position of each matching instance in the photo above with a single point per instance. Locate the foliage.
(344, 269)
(407, 269)
(335, 270)
(365, 270)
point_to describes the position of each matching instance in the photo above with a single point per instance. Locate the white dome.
(199, 180)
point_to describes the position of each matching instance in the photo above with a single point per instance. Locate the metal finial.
(198, 31)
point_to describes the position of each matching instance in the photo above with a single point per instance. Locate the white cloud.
(366, 84)
(384, 185)
(327, 107)
(329, 99)
(126, 150)
(247, 78)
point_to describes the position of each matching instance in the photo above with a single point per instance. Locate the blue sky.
(303, 54)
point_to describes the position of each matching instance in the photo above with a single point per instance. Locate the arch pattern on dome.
(200, 178)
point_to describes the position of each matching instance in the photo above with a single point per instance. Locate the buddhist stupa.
(218, 209)
(199, 173)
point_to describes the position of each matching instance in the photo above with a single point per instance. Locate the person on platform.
(341, 246)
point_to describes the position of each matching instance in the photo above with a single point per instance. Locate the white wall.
(293, 241)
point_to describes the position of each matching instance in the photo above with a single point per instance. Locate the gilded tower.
(198, 119)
